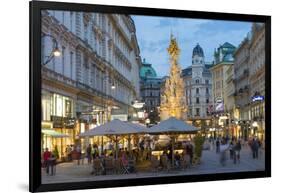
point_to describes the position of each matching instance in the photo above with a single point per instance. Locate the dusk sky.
(153, 35)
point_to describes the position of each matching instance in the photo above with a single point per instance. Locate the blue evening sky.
(153, 35)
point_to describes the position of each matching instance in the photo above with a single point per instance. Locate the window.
(63, 59)
(197, 90)
(197, 100)
(63, 17)
(206, 81)
(207, 111)
(197, 112)
(54, 59)
(43, 50)
(71, 21)
(86, 32)
(207, 100)
(207, 90)
(71, 65)
(197, 81)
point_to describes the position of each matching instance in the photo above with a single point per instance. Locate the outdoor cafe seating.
(109, 166)
(142, 158)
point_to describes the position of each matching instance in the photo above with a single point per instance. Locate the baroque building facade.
(250, 83)
(223, 87)
(257, 80)
(96, 75)
(198, 89)
(242, 88)
(150, 91)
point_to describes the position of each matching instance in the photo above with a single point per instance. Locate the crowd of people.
(234, 145)
(225, 147)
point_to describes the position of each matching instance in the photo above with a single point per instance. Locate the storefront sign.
(57, 121)
(69, 122)
(63, 122)
(138, 105)
(257, 98)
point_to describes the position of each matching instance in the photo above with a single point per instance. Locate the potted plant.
(198, 142)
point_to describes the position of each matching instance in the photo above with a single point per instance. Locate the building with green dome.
(150, 91)
(223, 86)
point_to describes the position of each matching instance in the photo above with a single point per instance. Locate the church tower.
(197, 62)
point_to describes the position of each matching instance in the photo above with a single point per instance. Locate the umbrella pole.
(173, 147)
(101, 144)
(116, 146)
(129, 143)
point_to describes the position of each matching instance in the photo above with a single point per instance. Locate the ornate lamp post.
(55, 52)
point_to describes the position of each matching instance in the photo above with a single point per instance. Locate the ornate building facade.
(150, 91)
(250, 82)
(257, 80)
(242, 88)
(223, 86)
(96, 74)
(198, 89)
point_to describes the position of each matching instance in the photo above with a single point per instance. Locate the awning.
(53, 133)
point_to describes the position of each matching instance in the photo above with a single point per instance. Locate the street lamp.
(113, 86)
(55, 52)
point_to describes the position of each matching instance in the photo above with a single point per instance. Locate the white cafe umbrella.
(115, 127)
(172, 126)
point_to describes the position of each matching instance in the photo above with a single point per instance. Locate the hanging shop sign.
(219, 105)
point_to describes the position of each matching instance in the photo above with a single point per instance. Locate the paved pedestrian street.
(71, 172)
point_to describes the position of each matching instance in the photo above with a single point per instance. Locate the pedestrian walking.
(217, 145)
(79, 153)
(231, 151)
(94, 151)
(223, 149)
(68, 151)
(89, 153)
(189, 151)
(255, 148)
(237, 150)
(260, 148)
(50, 161)
(46, 155)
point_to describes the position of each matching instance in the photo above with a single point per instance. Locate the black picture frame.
(35, 184)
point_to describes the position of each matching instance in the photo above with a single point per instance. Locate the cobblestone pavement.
(71, 172)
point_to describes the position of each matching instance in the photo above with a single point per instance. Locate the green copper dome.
(147, 71)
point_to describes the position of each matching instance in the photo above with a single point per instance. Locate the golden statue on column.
(173, 100)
